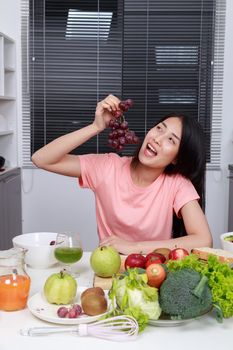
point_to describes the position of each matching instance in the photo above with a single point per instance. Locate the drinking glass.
(68, 250)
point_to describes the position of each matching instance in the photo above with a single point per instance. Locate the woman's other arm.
(55, 156)
(198, 234)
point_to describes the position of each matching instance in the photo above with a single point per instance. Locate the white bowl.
(39, 252)
(227, 245)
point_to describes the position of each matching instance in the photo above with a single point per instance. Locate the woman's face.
(161, 144)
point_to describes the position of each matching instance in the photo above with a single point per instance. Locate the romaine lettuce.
(131, 295)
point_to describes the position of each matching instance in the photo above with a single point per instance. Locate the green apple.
(60, 288)
(105, 261)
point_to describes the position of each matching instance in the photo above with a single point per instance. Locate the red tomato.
(178, 254)
(135, 260)
(156, 275)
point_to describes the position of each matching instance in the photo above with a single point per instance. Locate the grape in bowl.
(39, 248)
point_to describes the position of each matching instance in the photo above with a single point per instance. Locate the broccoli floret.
(185, 294)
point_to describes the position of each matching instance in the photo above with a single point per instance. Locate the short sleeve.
(185, 192)
(94, 168)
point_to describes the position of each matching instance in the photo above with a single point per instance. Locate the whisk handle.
(37, 331)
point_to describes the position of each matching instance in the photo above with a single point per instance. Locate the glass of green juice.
(68, 250)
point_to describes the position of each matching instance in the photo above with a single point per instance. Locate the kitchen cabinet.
(10, 178)
(8, 108)
(10, 207)
(230, 208)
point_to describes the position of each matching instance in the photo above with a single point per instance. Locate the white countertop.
(201, 334)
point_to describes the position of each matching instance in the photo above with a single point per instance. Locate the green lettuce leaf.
(131, 295)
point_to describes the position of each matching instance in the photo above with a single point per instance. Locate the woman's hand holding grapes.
(109, 113)
(104, 111)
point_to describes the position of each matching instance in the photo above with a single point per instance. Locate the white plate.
(167, 322)
(39, 307)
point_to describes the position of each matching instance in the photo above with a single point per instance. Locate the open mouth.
(151, 149)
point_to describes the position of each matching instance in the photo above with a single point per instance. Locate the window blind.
(166, 55)
(217, 85)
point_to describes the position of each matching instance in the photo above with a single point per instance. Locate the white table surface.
(201, 334)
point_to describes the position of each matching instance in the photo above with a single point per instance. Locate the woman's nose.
(158, 139)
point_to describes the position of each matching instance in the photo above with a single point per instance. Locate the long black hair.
(190, 161)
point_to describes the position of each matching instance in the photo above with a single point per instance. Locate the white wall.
(52, 202)
(9, 17)
(217, 181)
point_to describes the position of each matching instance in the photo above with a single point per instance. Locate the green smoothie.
(68, 255)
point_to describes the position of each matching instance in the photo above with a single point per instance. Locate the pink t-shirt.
(126, 210)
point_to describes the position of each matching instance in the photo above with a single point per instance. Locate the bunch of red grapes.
(121, 135)
(70, 312)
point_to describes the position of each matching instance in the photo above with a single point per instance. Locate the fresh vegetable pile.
(179, 286)
(220, 279)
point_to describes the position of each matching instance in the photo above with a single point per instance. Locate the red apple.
(164, 251)
(178, 254)
(154, 258)
(135, 260)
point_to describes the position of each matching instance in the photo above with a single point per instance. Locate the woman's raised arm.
(55, 156)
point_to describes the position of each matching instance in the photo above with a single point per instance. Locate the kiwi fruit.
(94, 304)
(93, 290)
(163, 251)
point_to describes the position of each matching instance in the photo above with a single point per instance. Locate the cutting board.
(106, 283)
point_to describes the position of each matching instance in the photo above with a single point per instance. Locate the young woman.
(136, 197)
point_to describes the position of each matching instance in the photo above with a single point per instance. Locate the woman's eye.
(172, 140)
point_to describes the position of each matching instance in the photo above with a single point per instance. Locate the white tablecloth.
(201, 334)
